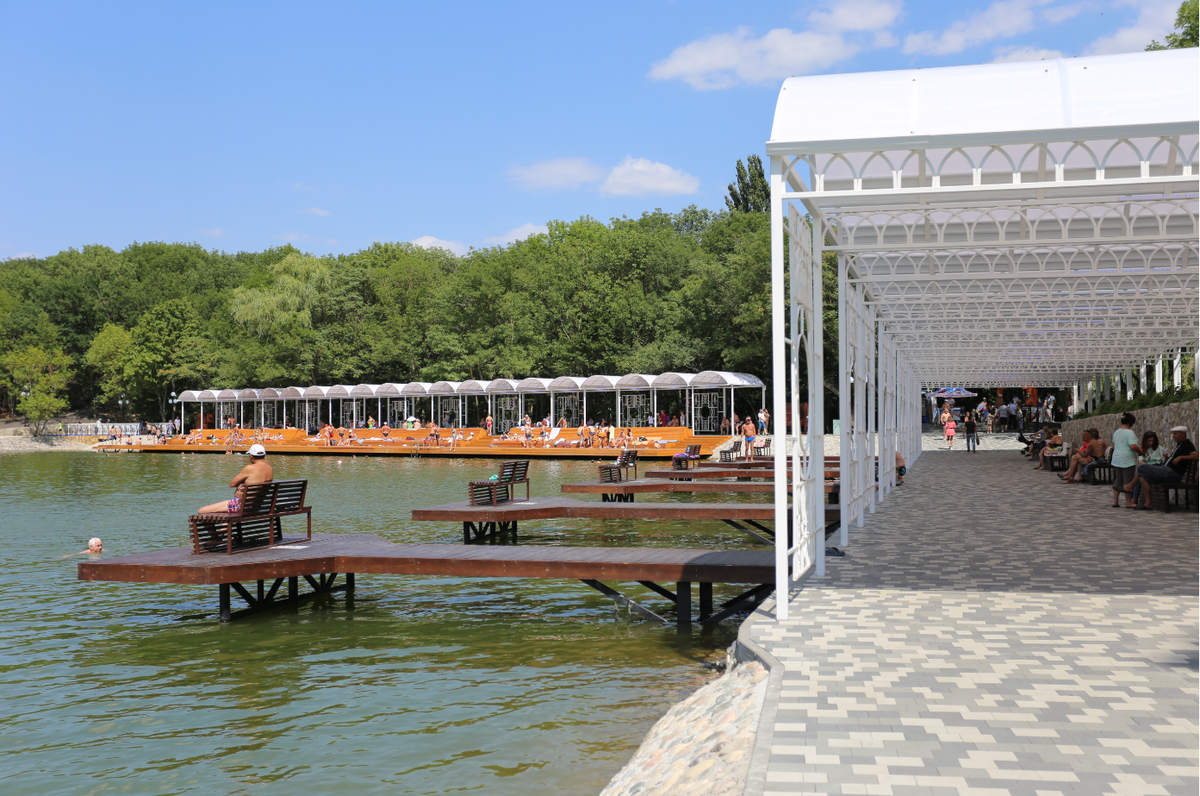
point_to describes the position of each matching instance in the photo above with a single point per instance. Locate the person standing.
(951, 428)
(766, 426)
(969, 428)
(1002, 415)
(748, 437)
(1124, 460)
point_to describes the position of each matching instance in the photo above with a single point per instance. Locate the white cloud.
(727, 59)
(520, 233)
(1000, 20)
(1057, 14)
(640, 177)
(215, 232)
(26, 256)
(558, 174)
(1006, 55)
(300, 237)
(430, 242)
(850, 15)
(1156, 18)
(315, 211)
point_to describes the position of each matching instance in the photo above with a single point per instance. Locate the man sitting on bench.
(256, 472)
(1169, 473)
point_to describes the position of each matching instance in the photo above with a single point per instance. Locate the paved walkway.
(991, 631)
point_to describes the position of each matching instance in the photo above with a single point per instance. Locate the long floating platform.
(484, 522)
(320, 560)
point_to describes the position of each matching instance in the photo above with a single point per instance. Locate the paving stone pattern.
(993, 632)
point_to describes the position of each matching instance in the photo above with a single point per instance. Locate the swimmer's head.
(95, 545)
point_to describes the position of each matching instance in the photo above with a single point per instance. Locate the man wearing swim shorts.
(256, 472)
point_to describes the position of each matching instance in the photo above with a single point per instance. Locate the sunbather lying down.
(662, 443)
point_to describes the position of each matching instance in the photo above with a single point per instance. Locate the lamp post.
(173, 401)
(123, 403)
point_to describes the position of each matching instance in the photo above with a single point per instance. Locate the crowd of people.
(1136, 462)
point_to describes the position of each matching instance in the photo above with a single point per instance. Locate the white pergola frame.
(1035, 225)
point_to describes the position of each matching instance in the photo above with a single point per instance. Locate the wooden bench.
(684, 461)
(762, 451)
(1060, 461)
(1166, 496)
(615, 473)
(256, 524)
(731, 453)
(494, 493)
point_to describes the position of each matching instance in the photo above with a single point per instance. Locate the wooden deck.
(320, 560)
(412, 442)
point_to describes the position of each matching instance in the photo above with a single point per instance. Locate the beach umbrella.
(411, 419)
(954, 392)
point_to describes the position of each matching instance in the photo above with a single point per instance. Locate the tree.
(111, 355)
(751, 193)
(1187, 29)
(40, 377)
(167, 349)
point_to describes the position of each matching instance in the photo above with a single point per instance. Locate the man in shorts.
(1171, 472)
(256, 472)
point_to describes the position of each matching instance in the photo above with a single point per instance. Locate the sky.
(241, 126)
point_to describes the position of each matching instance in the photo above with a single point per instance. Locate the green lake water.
(411, 685)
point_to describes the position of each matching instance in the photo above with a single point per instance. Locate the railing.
(93, 430)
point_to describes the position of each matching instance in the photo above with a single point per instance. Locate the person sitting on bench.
(1169, 473)
(1089, 451)
(256, 472)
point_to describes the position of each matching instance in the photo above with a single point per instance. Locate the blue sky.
(246, 125)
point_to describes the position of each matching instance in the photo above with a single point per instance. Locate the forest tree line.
(94, 328)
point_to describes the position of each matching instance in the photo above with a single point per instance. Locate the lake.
(412, 685)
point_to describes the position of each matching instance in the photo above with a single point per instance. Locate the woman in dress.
(1124, 461)
(950, 428)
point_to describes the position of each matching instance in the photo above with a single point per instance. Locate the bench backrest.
(627, 458)
(290, 494)
(692, 450)
(513, 472)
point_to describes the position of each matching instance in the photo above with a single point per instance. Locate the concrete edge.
(746, 649)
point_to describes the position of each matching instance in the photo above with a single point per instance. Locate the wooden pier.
(259, 575)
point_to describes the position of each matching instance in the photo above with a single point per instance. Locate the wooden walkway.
(320, 561)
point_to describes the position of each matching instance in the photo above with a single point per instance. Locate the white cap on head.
(1179, 428)
(257, 451)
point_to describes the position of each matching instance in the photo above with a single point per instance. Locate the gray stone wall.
(1157, 418)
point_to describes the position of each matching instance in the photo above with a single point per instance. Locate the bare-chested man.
(256, 472)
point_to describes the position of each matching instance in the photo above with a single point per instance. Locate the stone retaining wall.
(703, 746)
(1158, 419)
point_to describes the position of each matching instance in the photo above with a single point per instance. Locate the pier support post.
(349, 581)
(225, 612)
(294, 590)
(706, 604)
(683, 603)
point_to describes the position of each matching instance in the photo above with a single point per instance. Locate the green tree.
(168, 352)
(751, 193)
(111, 356)
(1187, 29)
(40, 378)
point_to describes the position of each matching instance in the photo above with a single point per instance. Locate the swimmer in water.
(95, 547)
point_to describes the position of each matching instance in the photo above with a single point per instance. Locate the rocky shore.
(702, 746)
(40, 444)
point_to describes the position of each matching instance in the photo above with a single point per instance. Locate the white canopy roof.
(416, 388)
(364, 391)
(316, 392)
(724, 378)
(676, 381)
(566, 384)
(473, 387)
(600, 383)
(247, 395)
(189, 395)
(291, 393)
(1128, 91)
(501, 386)
(534, 384)
(635, 381)
(444, 388)
(1009, 224)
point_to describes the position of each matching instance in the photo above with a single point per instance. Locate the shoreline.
(24, 444)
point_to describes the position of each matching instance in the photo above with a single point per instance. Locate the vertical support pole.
(1144, 377)
(1177, 370)
(293, 590)
(1128, 383)
(1158, 373)
(349, 581)
(872, 424)
(583, 420)
(816, 394)
(224, 603)
(847, 369)
(706, 601)
(262, 595)
(778, 385)
(683, 603)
